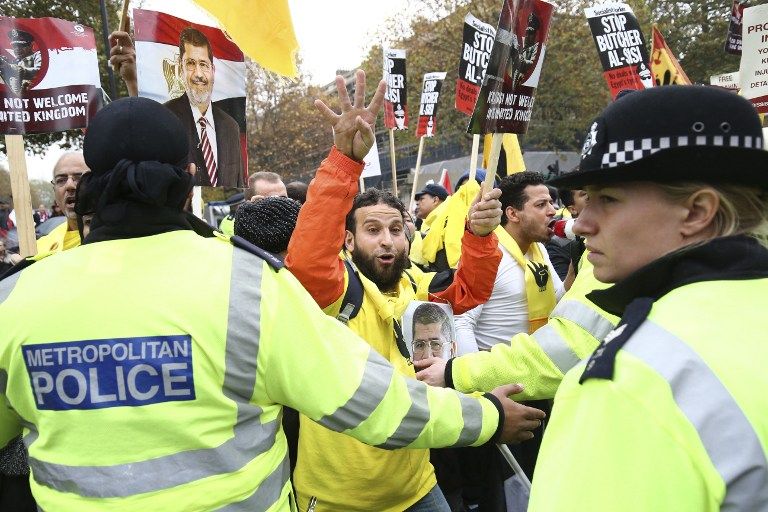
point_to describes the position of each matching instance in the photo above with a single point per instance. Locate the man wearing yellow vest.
(135, 395)
(66, 175)
(340, 473)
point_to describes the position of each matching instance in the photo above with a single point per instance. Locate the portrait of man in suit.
(214, 136)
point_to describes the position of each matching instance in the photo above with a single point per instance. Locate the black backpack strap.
(353, 298)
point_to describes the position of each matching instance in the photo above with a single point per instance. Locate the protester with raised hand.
(339, 472)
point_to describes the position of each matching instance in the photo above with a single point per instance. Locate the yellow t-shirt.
(60, 239)
(337, 469)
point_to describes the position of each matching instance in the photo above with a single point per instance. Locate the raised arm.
(472, 283)
(313, 252)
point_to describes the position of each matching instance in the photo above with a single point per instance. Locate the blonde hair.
(743, 210)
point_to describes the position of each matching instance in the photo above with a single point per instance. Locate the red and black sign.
(733, 42)
(475, 54)
(430, 94)
(49, 76)
(396, 98)
(509, 86)
(621, 46)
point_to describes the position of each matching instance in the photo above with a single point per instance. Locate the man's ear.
(349, 241)
(191, 169)
(511, 214)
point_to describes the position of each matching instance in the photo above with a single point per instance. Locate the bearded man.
(335, 472)
(214, 136)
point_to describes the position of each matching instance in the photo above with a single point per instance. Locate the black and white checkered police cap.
(671, 134)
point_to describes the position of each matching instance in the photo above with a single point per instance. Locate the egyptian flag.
(160, 75)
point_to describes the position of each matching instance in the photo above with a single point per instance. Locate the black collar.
(727, 258)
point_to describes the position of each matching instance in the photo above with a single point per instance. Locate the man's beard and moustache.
(197, 96)
(385, 279)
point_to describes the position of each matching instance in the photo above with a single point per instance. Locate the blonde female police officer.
(670, 413)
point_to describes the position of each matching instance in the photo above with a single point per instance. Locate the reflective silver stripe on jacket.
(268, 492)
(376, 380)
(250, 437)
(730, 440)
(7, 285)
(415, 419)
(553, 344)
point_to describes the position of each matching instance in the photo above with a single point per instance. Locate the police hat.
(136, 129)
(673, 133)
(20, 37)
(433, 190)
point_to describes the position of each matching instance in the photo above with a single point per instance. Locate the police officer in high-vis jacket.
(670, 413)
(153, 377)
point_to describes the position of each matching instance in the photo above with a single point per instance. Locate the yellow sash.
(539, 289)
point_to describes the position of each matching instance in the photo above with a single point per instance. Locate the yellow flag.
(263, 29)
(664, 66)
(512, 153)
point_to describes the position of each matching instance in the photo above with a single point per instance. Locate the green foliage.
(286, 134)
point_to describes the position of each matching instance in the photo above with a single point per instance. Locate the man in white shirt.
(527, 210)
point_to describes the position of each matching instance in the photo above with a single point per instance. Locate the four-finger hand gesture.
(353, 128)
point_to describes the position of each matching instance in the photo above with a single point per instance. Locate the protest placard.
(475, 54)
(395, 101)
(49, 75)
(49, 81)
(198, 73)
(730, 81)
(753, 72)
(733, 40)
(621, 47)
(506, 97)
(430, 94)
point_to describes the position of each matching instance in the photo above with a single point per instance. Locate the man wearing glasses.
(214, 136)
(66, 175)
(432, 332)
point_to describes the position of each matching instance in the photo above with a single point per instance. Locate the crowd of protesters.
(321, 275)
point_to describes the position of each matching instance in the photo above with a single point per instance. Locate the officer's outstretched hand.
(485, 213)
(519, 420)
(433, 371)
(353, 129)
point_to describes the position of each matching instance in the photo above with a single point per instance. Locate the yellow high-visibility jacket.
(134, 394)
(670, 413)
(540, 360)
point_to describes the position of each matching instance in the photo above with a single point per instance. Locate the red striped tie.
(210, 162)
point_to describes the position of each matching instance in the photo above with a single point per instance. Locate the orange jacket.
(313, 253)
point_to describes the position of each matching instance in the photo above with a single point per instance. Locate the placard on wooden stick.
(22, 199)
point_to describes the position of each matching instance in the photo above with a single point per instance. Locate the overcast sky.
(332, 34)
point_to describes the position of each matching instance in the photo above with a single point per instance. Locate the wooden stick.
(416, 172)
(473, 156)
(125, 21)
(493, 162)
(392, 159)
(22, 200)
